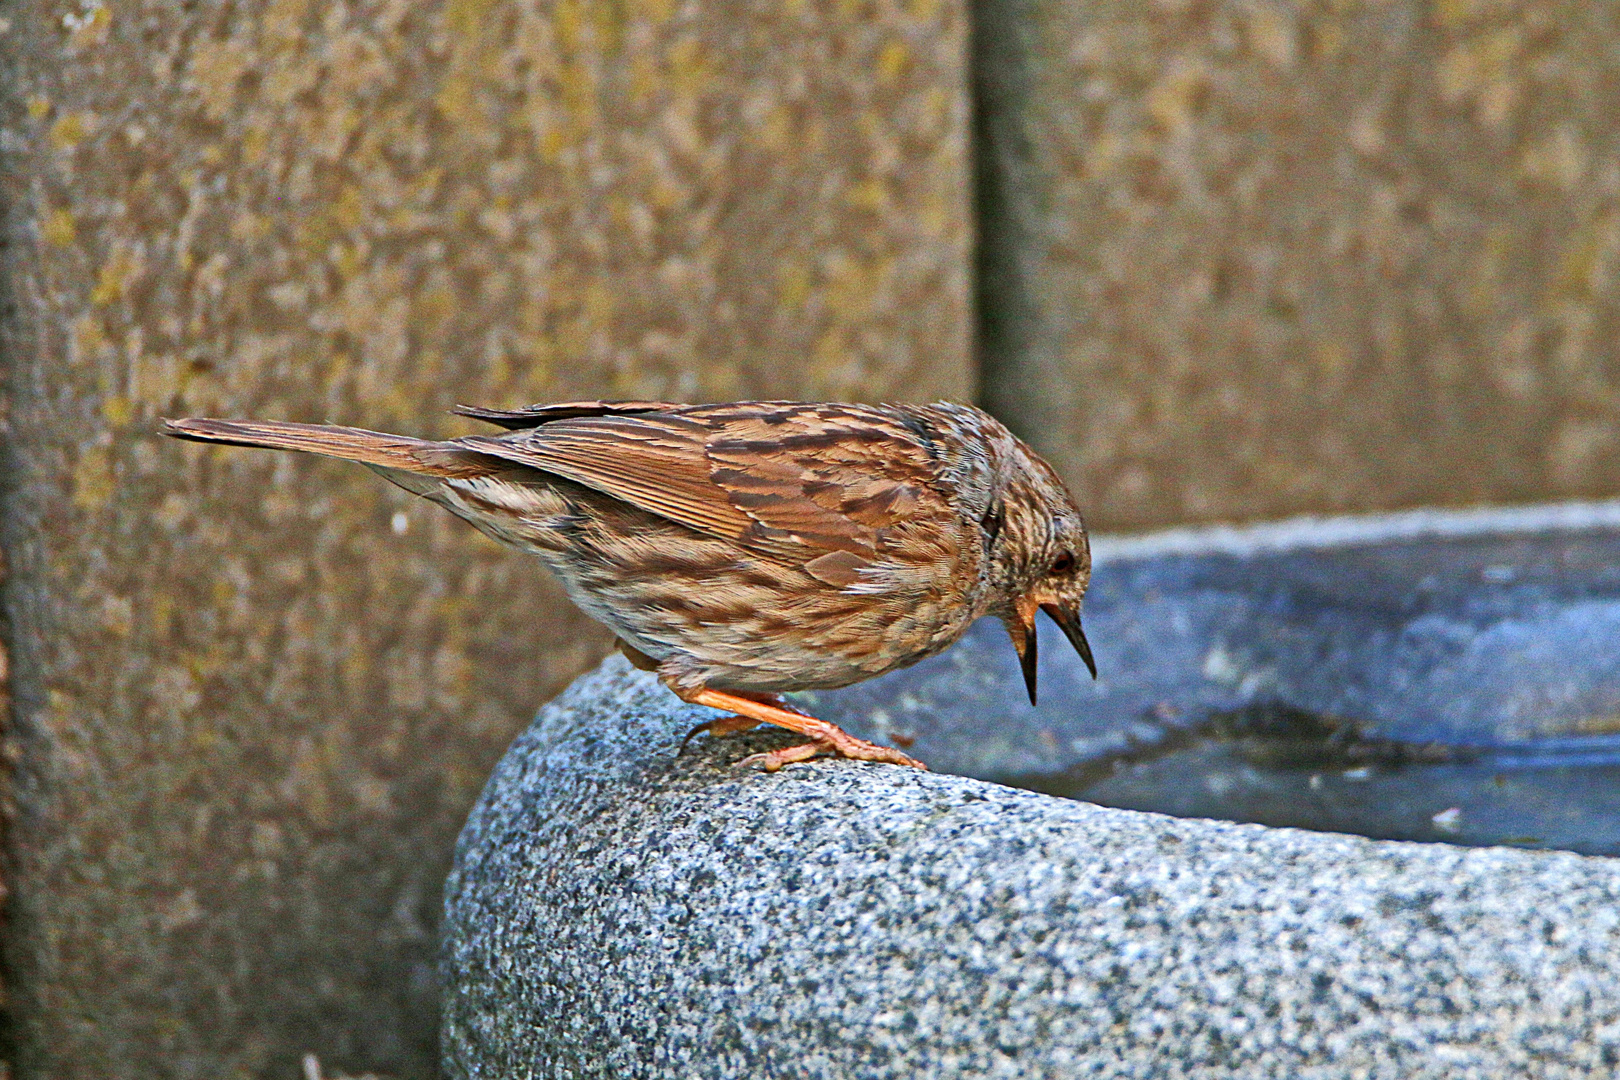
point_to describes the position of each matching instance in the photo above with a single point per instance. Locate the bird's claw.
(847, 747)
(720, 725)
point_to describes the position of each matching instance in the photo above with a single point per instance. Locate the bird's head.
(1040, 558)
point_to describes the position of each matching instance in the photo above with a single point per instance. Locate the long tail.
(374, 448)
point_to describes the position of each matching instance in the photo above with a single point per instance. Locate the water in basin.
(1455, 688)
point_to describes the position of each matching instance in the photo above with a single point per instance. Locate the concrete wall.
(1248, 258)
(255, 694)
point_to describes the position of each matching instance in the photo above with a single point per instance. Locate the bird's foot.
(845, 745)
(752, 709)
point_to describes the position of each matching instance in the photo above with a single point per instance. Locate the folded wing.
(822, 485)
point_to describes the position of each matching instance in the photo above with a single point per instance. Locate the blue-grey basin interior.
(1451, 677)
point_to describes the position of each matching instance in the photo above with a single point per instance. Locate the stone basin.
(1422, 676)
(619, 908)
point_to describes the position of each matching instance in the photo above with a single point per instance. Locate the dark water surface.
(1463, 689)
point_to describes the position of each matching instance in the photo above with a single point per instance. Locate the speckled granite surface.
(620, 911)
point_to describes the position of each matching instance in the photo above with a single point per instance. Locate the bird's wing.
(833, 476)
(535, 415)
(817, 483)
(654, 462)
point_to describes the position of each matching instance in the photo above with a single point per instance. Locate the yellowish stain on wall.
(93, 478)
(70, 130)
(58, 228)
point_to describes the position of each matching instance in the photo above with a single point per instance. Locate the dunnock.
(747, 549)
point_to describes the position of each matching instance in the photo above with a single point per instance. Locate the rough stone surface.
(1249, 258)
(255, 694)
(619, 911)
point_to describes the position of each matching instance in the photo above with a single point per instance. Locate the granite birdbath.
(620, 908)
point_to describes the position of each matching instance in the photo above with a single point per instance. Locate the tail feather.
(373, 448)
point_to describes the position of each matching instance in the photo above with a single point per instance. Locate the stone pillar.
(1249, 258)
(254, 694)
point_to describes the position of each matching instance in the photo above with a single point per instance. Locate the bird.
(748, 549)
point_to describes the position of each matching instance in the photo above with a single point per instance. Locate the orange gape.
(749, 549)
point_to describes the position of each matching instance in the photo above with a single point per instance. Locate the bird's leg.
(825, 738)
(734, 725)
(720, 725)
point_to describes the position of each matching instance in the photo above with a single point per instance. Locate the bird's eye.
(1063, 564)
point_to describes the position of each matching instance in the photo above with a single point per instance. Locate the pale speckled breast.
(719, 614)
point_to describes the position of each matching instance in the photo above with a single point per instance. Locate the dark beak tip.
(1030, 668)
(1070, 625)
(1086, 658)
(1027, 645)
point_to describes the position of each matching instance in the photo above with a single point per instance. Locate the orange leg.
(733, 725)
(754, 709)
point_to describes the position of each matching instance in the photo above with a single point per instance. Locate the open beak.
(1070, 622)
(1021, 628)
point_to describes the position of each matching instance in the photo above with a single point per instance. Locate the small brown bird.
(748, 549)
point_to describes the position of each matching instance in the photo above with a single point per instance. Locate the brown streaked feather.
(534, 415)
(351, 444)
(654, 462)
(829, 477)
(840, 569)
(835, 476)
